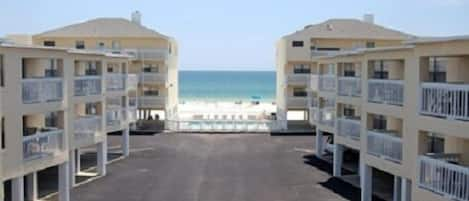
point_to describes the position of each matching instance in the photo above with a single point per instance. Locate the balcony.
(297, 101)
(132, 81)
(349, 128)
(41, 90)
(386, 91)
(327, 116)
(313, 82)
(86, 127)
(298, 79)
(313, 115)
(450, 101)
(133, 102)
(115, 81)
(385, 144)
(349, 86)
(442, 175)
(115, 117)
(151, 101)
(87, 85)
(132, 114)
(42, 144)
(327, 83)
(153, 78)
(148, 54)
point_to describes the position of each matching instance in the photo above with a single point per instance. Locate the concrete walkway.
(190, 167)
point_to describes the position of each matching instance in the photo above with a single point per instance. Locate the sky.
(236, 34)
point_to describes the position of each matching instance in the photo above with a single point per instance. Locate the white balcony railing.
(87, 85)
(148, 54)
(115, 117)
(349, 128)
(224, 125)
(386, 91)
(385, 145)
(313, 82)
(132, 114)
(298, 79)
(148, 77)
(151, 101)
(349, 86)
(132, 81)
(327, 83)
(313, 115)
(445, 100)
(444, 178)
(115, 81)
(297, 101)
(39, 90)
(86, 127)
(42, 144)
(327, 116)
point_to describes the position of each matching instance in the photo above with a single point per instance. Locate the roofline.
(65, 50)
(362, 51)
(438, 39)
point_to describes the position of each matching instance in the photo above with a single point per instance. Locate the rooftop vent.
(369, 18)
(136, 17)
(329, 27)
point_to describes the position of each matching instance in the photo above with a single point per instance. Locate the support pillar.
(64, 182)
(366, 182)
(319, 143)
(397, 189)
(102, 158)
(405, 190)
(78, 161)
(125, 142)
(31, 187)
(72, 164)
(17, 188)
(338, 159)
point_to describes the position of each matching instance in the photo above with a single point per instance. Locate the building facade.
(399, 109)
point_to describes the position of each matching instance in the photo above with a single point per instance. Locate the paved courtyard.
(202, 167)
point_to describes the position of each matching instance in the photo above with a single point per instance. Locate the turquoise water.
(226, 85)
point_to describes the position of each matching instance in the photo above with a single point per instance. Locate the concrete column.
(102, 158)
(397, 189)
(72, 164)
(78, 161)
(319, 143)
(31, 187)
(125, 142)
(64, 181)
(366, 182)
(338, 159)
(405, 190)
(17, 189)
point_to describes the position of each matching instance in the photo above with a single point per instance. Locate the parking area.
(228, 167)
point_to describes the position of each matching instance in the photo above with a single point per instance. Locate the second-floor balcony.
(46, 142)
(41, 90)
(445, 100)
(153, 77)
(115, 117)
(313, 115)
(327, 116)
(349, 86)
(151, 101)
(87, 85)
(298, 79)
(297, 101)
(327, 82)
(443, 175)
(313, 82)
(349, 127)
(385, 144)
(386, 91)
(132, 81)
(86, 127)
(115, 81)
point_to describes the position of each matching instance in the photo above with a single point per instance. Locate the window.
(379, 122)
(151, 92)
(116, 45)
(151, 68)
(330, 69)
(91, 68)
(51, 70)
(297, 43)
(80, 44)
(101, 45)
(349, 70)
(299, 92)
(49, 43)
(380, 70)
(91, 109)
(370, 44)
(437, 69)
(3, 133)
(51, 119)
(349, 111)
(436, 143)
(301, 68)
(327, 49)
(2, 72)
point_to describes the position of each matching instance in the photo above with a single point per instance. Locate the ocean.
(226, 85)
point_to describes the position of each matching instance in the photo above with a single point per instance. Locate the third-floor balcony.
(327, 82)
(349, 86)
(86, 127)
(298, 79)
(385, 144)
(41, 90)
(87, 85)
(327, 116)
(297, 101)
(115, 81)
(148, 54)
(445, 100)
(153, 77)
(132, 81)
(151, 101)
(386, 91)
(46, 142)
(349, 127)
